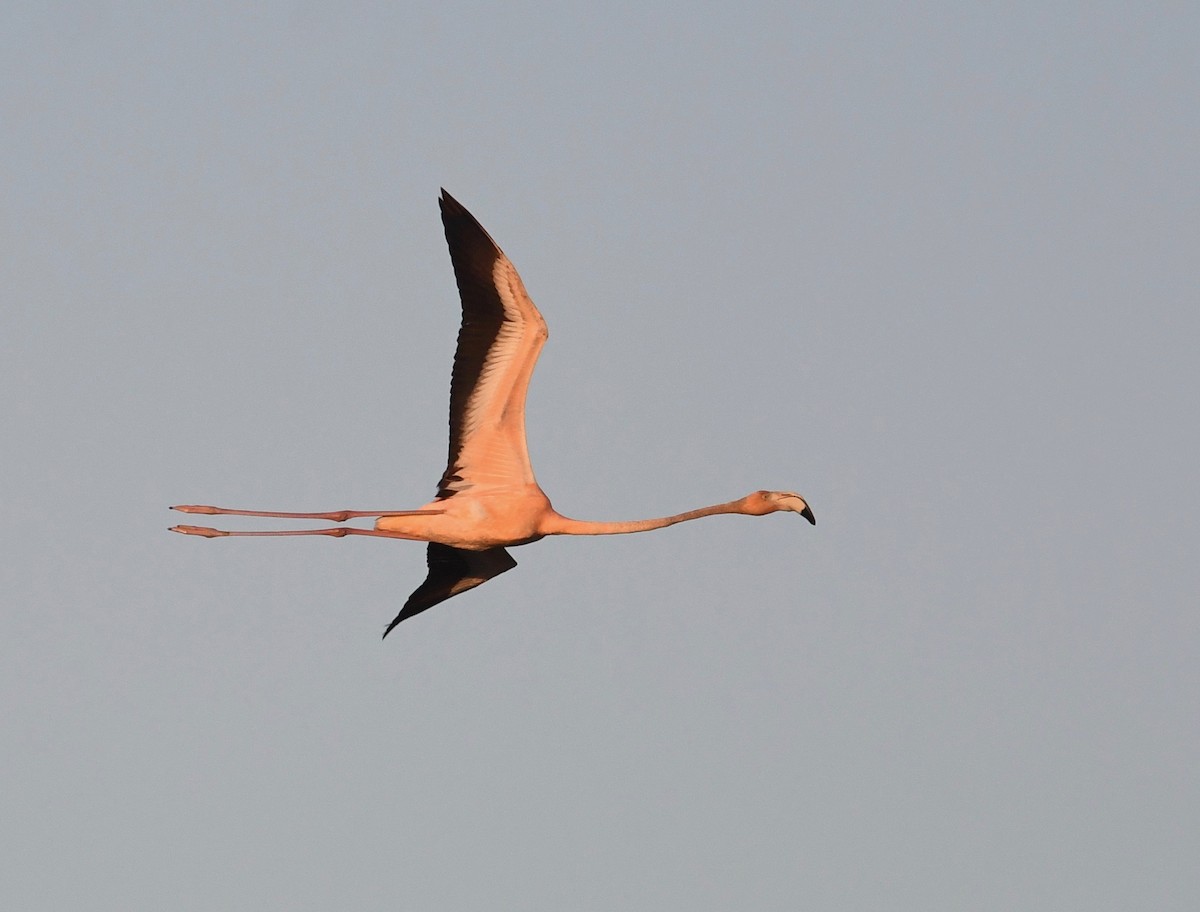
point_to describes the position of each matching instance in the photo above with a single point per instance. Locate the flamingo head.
(760, 503)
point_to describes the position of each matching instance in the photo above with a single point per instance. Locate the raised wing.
(451, 571)
(501, 337)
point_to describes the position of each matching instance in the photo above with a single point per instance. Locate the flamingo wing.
(501, 336)
(451, 571)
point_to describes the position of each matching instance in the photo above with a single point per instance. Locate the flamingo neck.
(563, 525)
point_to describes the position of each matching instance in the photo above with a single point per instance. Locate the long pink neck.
(562, 525)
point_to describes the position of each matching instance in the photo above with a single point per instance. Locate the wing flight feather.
(499, 341)
(451, 571)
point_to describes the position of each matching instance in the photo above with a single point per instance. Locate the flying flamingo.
(488, 499)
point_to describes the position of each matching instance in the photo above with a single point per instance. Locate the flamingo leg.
(332, 516)
(335, 532)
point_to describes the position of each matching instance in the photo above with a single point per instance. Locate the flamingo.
(488, 499)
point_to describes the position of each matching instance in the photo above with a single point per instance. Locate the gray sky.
(934, 266)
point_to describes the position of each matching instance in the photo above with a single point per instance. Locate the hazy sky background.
(932, 265)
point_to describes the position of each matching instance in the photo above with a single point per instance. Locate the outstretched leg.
(336, 532)
(334, 516)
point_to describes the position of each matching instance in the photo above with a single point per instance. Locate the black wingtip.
(396, 621)
(465, 235)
